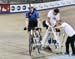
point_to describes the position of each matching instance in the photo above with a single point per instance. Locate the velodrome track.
(14, 40)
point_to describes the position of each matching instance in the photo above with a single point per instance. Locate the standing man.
(71, 36)
(53, 17)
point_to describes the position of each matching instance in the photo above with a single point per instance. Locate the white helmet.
(31, 6)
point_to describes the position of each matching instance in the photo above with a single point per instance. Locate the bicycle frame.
(45, 38)
(36, 41)
(36, 38)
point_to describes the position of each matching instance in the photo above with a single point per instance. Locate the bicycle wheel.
(39, 45)
(30, 44)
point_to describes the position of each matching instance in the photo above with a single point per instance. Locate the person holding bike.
(71, 36)
(53, 17)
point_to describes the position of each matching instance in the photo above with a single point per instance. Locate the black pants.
(32, 24)
(71, 41)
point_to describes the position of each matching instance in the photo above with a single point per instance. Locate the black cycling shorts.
(32, 25)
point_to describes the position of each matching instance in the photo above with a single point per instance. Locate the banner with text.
(41, 6)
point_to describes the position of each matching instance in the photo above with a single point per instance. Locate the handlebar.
(34, 29)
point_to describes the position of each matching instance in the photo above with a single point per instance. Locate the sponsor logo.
(45, 5)
(52, 4)
(40, 6)
(68, 2)
(18, 7)
(5, 8)
(12, 8)
(62, 3)
(57, 4)
(24, 7)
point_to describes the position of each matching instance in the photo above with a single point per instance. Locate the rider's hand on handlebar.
(25, 28)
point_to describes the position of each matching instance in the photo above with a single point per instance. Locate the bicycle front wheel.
(30, 44)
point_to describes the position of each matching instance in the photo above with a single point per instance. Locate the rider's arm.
(26, 23)
(58, 27)
(49, 16)
(38, 19)
(39, 23)
(49, 21)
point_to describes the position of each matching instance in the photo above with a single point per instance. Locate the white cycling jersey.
(53, 18)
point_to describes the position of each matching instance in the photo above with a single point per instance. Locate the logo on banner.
(18, 7)
(5, 8)
(68, 2)
(57, 4)
(40, 6)
(62, 3)
(13, 8)
(45, 5)
(24, 7)
(52, 5)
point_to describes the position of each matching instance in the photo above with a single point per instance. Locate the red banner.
(0, 7)
(4, 7)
